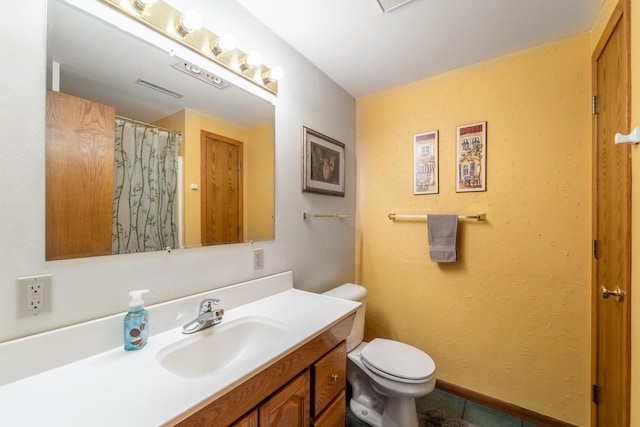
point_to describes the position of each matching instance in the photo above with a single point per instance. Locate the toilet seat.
(397, 361)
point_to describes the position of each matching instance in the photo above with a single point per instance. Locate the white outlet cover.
(258, 259)
(23, 299)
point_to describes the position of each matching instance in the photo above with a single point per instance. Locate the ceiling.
(366, 51)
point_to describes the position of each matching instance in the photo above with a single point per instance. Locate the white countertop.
(119, 388)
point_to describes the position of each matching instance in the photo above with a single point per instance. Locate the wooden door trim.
(619, 16)
(203, 182)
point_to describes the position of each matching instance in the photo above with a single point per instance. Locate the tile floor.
(458, 407)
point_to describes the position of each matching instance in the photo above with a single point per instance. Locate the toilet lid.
(396, 360)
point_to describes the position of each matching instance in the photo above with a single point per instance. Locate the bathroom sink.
(222, 346)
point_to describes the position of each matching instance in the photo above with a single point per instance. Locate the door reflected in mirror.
(142, 156)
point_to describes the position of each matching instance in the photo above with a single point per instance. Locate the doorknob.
(617, 292)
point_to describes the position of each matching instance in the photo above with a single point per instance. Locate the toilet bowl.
(385, 375)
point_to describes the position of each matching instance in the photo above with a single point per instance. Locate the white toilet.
(385, 375)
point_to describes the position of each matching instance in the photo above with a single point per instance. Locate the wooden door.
(80, 144)
(221, 189)
(611, 228)
(289, 407)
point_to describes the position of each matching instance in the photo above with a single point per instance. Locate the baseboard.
(499, 405)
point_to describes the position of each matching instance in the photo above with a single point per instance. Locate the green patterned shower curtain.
(145, 203)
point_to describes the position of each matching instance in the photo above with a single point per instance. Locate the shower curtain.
(145, 205)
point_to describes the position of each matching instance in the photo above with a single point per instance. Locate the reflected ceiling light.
(223, 44)
(199, 73)
(250, 61)
(273, 75)
(190, 22)
(193, 68)
(142, 5)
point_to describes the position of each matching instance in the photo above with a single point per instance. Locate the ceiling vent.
(199, 73)
(159, 88)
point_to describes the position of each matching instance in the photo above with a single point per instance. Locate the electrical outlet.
(33, 295)
(258, 259)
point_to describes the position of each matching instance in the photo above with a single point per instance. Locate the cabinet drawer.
(329, 377)
(334, 415)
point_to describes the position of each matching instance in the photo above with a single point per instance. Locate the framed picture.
(323, 164)
(425, 163)
(471, 157)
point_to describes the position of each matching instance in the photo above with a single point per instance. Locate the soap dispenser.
(136, 322)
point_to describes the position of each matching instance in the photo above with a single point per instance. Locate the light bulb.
(225, 43)
(274, 75)
(190, 21)
(253, 59)
(142, 5)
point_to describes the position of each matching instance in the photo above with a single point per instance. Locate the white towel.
(441, 234)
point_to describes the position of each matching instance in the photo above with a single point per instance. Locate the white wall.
(320, 252)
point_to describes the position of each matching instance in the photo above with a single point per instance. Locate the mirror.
(212, 126)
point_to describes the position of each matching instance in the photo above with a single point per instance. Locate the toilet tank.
(352, 292)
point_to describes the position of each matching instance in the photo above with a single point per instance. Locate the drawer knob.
(334, 378)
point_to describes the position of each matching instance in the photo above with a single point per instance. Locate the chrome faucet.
(207, 316)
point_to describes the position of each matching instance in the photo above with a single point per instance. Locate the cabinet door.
(334, 415)
(249, 420)
(288, 407)
(329, 375)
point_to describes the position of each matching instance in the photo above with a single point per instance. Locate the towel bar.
(477, 217)
(306, 215)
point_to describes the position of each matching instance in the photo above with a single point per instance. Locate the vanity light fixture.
(223, 44)
(189, 22)
(220, 49)
(142, 5)
(250, 61)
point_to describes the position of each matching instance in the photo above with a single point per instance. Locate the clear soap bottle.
(136, 322)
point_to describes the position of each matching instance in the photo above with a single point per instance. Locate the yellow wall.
(511, 318)
(260, 192)
(259, 162)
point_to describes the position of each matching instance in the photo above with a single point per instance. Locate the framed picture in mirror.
(323, 164)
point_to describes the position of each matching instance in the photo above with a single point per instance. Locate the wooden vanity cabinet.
(329, 376)
(304, 388)
(334, 415)
(249, 420)
(289, 406)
